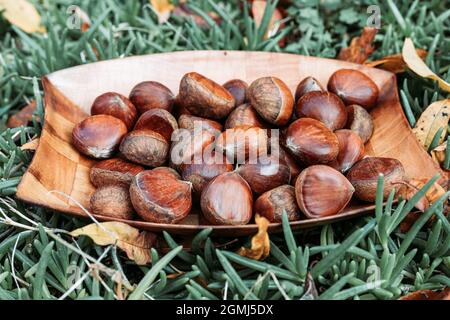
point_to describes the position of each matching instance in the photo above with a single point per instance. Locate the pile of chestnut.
(165, 154)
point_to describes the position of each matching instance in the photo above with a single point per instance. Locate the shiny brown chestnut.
(116, 105)
(152, 95)
(273, 203)
(159, 197)
(238, 89)
(311, 141)
(309, 84)
(98, 136)
(114, 171)
(364, 177)
(191, 122)
(167, 171)
(322, 191)
(294, 167)
(272, 99)
(145, 147)
(266, 173)
(205, 98)
(360, 121)
(244, 115)
(158, 120)
(351, 150)
(227, 200)
(326, 107)
(112, 201)
(354, 87)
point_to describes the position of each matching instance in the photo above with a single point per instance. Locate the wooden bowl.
(69, 94)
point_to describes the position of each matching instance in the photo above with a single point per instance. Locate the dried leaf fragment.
(394, 63)
(258, 8)
(23, 117)
(419, 67)
(428, 295)
(360, 47)
(31, 145)
(163, 9)
(260, 248)
(438, 153)
(183, 11)
(136, 244)
(22, 14)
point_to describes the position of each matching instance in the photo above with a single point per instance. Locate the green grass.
(365, 258)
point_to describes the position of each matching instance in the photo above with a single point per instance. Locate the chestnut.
(158, 120)
(227, 200)
(145, 147)
(322, 191)
(167, 171)
(326, 107)
(359, 121)
(364, 176)
(267, 173)
(244, 115)
(199, 174)
(114, 171)
(112, 201)
(243, 142)
(238, 89)
(311, 141)
(159, 197)
(272, 99)
(351, 150)
(294, 167)
(191, 122)
(98, 136)
(205, 98)
(309, 84)
(116, 105)
(152, 95)
(273, 203)
(354, 87)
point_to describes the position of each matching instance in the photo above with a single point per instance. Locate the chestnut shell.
(112, 201)
(114, 171)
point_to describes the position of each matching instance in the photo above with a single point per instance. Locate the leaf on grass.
(136, 244)
(415, 63)
(435, 116)
(31, 145)
(183, 11)
(275, 24)
(360, 47)
(428, 295)
(163, 9)
(311, 292)
(394, 63)
(23, 117)
(438, 153)
(260, 242)
(22, 14)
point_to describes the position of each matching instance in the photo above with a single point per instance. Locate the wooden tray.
(69, 94)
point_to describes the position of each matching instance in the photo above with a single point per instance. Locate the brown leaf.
(360, 47)
(183, 11)
(23, 117)
(163, 9)
(438, 153)
(136, 244)
(311, 292)
(22, 14)
(260, 242)
(428, 295)
(31, 145)
(275, 24)
(394, 63)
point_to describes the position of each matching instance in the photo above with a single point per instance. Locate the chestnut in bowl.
(116, 105)
(359, 121)
(152, 95)
(238, 89)
(273, 203)
(244, 115)
(351, 150)
(112, 201)
(309, 84)
(114, 171)
(158, 120)
(191, 122)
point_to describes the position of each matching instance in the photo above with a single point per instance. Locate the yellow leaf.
(136, 244)
(260, 242)
(22, 14)
(435, 116)
(393, 63)
(419, 67)
(163, 9)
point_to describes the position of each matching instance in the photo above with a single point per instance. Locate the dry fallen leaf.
(275, 24)
(22, 14)
(31, 145)
(428, 295)
(360, 48)
(23, 117)
(419, 67)
(163, 9)
(260, 242)
(136, 244)
(394, 63)
(435, 116)
(183, 11)
(438, 153)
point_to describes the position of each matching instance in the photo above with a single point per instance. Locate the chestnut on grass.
(311, 141)
(152, 95)
(360, 121)
(322, 191)
(273, 203)
(238, 89)
(114, 171)
(244, 115)
(159, 197)
(309, 84)
(158, 120)
(227, 200)
(98, 136)
(364, 177)
(351, 150)
(116, 105)
(205, 98)
(354, 87)
(191, 122)
(112, 201)
(145, 147)
(323, 106)
(272, 99)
